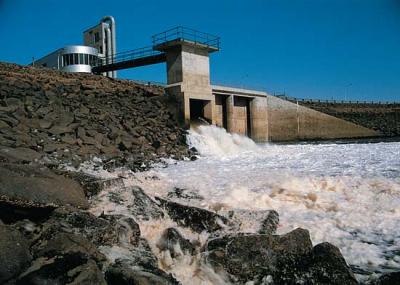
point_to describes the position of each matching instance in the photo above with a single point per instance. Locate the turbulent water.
(346, 194)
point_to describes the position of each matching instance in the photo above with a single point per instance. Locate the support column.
(259, 119)
(230, 113)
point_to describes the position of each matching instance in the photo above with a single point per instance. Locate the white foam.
(346, 194)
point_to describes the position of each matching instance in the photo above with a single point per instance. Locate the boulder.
(14, 253)
(65, 258)
(19, 154)
(30, 186)
(262, 222)
(101, 231)
(286, 259)
(391, 278)
(197, 219)
(124, 274)
(142, 206)
(173, 241)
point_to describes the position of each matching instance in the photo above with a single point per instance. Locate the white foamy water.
(346, 194)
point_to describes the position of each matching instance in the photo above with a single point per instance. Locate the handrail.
(186, 34)
(325, 101)
(127, 55)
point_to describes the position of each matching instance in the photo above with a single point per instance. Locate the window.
(70, 59)
(96, 37)
(101, 49)
(86, 61)
(81, 59)
(76, 58)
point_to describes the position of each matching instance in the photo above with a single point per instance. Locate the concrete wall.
(259, 119)
(288, 121)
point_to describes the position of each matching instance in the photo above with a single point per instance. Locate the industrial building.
(99, 48)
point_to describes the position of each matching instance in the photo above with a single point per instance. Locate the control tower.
(188, 71)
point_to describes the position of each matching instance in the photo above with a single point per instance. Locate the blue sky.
(341, 49)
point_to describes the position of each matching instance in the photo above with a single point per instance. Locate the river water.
(346, 194)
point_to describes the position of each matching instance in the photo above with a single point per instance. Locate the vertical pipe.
(108, 53)
(111, 22)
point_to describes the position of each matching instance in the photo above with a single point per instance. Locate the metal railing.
(128, 55)
(365, 102)
(186, 34)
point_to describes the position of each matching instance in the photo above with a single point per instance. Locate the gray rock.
(391, 278)
(122, 274)
(197, 219)
(143, 207)
(264, 222)
(19, 154)
(32, 186)
(14, 253)
(173, 241)
(286, 259)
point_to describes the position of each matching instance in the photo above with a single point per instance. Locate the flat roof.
(239, 91)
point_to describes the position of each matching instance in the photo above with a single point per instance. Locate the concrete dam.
(253, 113)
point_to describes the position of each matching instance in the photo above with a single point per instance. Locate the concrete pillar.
(230, 113)
(259, 119)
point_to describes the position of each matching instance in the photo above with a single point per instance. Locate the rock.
(122, 274)
(14, 253)
(197, 219)
(101, 231)
(29, 186)
(262, 222)
(67, 244)
(20, 154)
(45, 124)
(142, 206)
(286, 259)
(87, 274)
(93, 185)
(173, 241)
(327, 266)
(183, 194)
(392, 278)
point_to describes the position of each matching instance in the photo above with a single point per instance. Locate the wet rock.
(286, 259)
(262, 222)
(123, 274)
(20, 154)
(173, 241)
(14, 253)
(183, 194)
(392, 278)
(142, 206)
(327, 266)
(68, 244)
(30, 186)
(197, 219)
(93, 185)
(101, 231)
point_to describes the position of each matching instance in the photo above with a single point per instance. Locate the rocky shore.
(55, 227)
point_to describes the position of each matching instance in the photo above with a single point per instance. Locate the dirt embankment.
(384, 118)
(61, 117)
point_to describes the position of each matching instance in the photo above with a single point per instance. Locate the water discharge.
(346, 194)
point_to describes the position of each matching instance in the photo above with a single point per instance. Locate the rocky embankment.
(56, 117)
(384, 118)
(54, 224)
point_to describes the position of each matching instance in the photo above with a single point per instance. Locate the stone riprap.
(54, 117)
(384, 118)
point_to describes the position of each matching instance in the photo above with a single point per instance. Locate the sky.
(322, 49)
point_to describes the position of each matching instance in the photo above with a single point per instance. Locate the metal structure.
(71, 59)
(103, 37)
(187, 35)
(156, 53)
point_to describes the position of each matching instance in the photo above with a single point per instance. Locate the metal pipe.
(109, 55)
(110, 20)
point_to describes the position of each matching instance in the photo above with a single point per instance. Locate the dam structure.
(256, 114)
